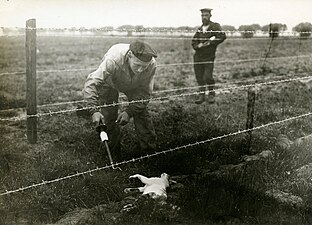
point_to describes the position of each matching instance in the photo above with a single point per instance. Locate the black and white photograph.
(141, 112)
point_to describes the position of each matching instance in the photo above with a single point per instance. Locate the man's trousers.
(143, 124)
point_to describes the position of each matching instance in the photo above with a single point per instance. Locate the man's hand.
(200, 45)
(123, 118)
(97, 118)
(206, 43)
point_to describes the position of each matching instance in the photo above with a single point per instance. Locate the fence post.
(186, 47)
(31, 95)
(250, 115)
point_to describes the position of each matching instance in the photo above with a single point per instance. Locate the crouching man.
(127, 68)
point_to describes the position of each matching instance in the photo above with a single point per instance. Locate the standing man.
(205, 42)
(127, 68)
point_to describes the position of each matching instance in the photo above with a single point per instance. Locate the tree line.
(273, 29)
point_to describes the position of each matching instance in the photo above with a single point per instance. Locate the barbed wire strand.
(51, 113)
(116, 165)
(155, 92)
(165, 65)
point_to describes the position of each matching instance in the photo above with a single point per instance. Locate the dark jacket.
(207, 53)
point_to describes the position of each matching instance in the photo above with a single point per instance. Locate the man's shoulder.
(214, 24)
(117, 53)
(199, 28)
(118, 49)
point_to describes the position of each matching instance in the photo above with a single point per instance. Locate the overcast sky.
(149, 13)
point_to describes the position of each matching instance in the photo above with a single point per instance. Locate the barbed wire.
(47, 71)
(13, 73)
(233, 61)
(118, 164)
(51, 113)
(62, 103)
(169, 64)
(155, 92)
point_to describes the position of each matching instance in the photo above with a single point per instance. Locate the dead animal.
(153, 197)
(155, 187)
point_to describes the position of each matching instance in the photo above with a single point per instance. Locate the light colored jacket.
(115, 72)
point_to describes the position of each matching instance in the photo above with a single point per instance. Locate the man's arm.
(90, 92)
(196, 40)
(94, 81)
(219, 34)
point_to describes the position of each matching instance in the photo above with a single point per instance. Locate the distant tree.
(148, 29)
(160, 29)
(169, 28)
(72, 29)
(128, 28)
(164, 29)
(82, 29)
(265, 28)
(155, 29)
(247, 31)
(256, 27)
(107, 28)
(304, 29)
(274, 29)
(228, 28)
(185, 29)
(139, 28)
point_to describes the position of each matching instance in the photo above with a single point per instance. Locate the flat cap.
(206, 10)
(141, 48)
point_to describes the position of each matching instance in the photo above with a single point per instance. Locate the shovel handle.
(110, 156)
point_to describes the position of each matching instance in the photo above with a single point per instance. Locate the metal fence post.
(250, 115)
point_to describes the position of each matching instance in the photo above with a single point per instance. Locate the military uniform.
(114, 75)
(203, 70)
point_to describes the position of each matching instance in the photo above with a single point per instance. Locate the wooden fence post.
(187, 47)
(31, 95)
(250, 115)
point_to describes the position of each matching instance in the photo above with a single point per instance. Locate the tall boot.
(201, 97)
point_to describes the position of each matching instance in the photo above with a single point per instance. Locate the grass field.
(68, 144)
